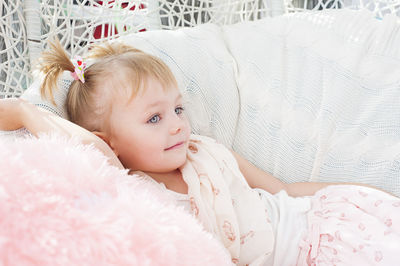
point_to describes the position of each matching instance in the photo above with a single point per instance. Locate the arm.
(256, 178)
(17, 113)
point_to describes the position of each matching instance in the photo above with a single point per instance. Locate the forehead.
(150, 93)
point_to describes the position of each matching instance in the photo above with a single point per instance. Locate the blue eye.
(179, 110)
(154, 119)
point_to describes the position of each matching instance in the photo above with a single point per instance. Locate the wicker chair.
(26, 25)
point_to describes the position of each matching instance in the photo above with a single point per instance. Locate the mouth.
(177, 145)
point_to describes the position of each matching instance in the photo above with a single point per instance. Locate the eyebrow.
(160, 102)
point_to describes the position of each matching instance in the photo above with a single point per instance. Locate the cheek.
(131, 143)
(141, 156)
(149, 142)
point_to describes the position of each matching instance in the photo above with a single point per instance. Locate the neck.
(158, 175)
(172, 180)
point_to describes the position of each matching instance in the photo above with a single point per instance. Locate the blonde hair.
(115, 65)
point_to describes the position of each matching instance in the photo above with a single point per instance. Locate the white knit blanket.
(320, 96)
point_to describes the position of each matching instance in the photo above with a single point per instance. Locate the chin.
(165, 167)
(177, 163)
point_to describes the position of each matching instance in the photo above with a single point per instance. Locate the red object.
(97, 34)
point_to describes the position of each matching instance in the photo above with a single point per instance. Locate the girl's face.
(150, 133)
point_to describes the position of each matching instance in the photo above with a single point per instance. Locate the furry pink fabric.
(62, 204)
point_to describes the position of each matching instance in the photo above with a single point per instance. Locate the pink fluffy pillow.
(62, 204)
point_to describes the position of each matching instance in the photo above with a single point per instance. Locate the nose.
(177, 125)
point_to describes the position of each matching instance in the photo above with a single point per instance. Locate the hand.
(11, 114)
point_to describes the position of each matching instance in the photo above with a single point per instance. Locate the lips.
(177, 145)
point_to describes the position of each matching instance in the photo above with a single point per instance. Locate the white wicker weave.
(14, 60)
(25, 25)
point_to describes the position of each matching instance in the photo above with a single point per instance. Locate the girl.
(135, 116)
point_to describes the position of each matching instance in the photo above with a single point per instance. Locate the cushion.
(319, 96)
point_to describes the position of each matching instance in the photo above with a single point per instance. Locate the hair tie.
(79, 73)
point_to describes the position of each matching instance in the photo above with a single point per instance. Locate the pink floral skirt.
(352, 225)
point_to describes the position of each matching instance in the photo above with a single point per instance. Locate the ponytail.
(52, 63)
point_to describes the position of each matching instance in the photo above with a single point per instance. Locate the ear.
(106, 138)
